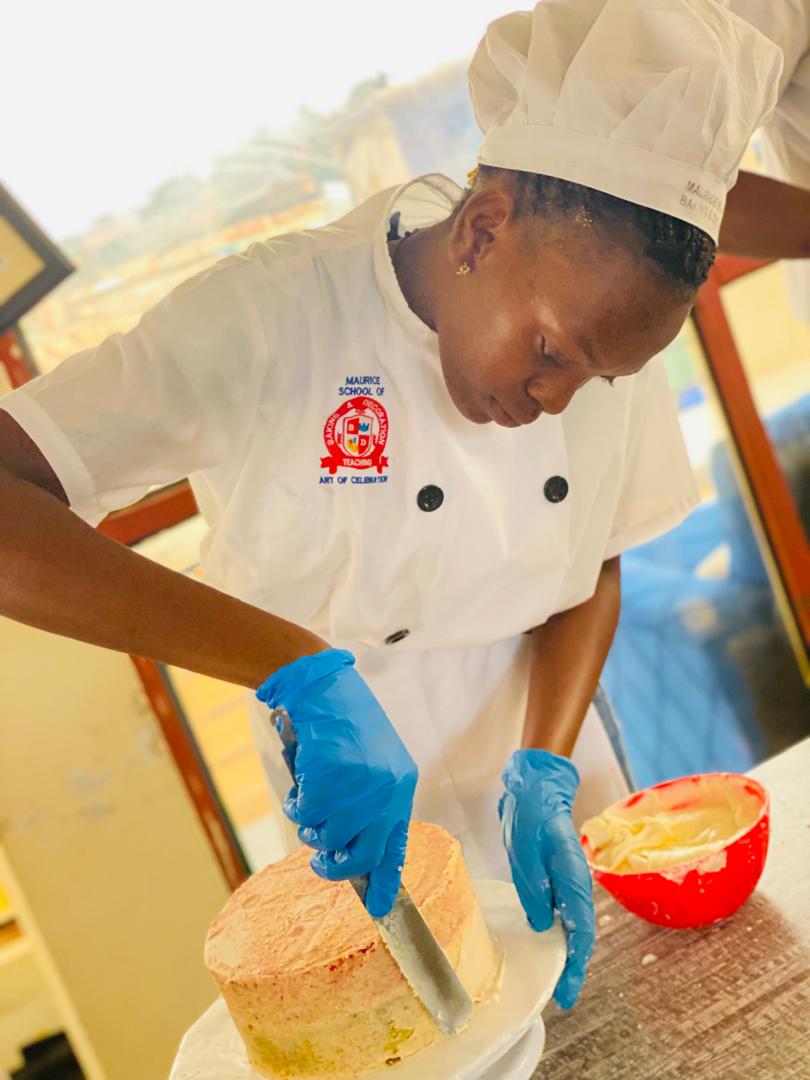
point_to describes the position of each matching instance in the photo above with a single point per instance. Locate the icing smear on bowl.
(666, 830)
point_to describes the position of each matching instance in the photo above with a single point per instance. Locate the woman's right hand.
(354, 780)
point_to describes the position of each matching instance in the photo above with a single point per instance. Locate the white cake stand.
(520, 1062)
(507, 1031)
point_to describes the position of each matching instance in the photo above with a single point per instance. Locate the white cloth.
(653, 101)
(786, 137)
(236, 376)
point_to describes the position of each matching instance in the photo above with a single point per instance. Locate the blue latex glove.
(354, 779)
(549, 867)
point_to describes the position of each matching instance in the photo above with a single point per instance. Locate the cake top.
(286, 919)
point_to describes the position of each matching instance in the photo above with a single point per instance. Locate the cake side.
(451, 910)
(307, 979)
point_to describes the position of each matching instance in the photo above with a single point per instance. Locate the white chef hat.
(653, 101)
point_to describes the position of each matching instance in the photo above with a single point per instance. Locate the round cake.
(307, 979)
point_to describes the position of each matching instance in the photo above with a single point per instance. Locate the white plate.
(213, 1050)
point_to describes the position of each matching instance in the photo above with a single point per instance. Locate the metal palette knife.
(407, 936)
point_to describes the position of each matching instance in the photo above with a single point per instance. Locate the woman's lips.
(500, 415)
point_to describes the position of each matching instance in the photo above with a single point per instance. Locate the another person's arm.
(766, 219)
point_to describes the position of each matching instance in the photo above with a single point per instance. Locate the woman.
(417, 435)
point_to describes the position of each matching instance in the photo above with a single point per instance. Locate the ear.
(477, 227)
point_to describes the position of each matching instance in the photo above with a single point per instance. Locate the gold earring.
(472, 176)
(464, 269)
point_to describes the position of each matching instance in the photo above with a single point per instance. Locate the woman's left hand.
(549, 867)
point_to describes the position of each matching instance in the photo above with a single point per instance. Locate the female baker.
(421, 437)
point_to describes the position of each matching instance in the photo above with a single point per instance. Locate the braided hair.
(683, 252)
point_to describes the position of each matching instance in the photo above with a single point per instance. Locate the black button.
(555, 488)
(430, 498)
(398, 635)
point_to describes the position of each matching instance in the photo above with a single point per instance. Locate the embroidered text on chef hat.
(653, 101)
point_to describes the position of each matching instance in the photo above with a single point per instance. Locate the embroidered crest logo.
(355, 436)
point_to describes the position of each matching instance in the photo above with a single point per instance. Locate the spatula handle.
(280, 719)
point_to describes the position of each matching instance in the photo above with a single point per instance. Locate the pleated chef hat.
(653, 101)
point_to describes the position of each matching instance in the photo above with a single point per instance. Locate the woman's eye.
(545, 355)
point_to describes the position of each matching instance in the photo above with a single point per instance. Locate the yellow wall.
(118, 878)
(773, 344)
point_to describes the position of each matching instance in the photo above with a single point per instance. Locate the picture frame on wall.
(31, 265)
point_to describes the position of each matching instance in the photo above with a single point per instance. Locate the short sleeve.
(175, 395)
(658, 487)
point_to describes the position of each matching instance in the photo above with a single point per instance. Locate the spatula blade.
(424, 964)
(406, 935)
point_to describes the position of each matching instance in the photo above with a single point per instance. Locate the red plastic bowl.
(706, 889)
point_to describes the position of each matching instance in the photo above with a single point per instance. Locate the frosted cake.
(306, 977)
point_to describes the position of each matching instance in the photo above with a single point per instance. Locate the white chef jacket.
(785, 139)
(344, 491)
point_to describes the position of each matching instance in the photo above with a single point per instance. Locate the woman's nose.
(554, 397)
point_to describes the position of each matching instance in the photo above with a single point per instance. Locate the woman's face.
(546, 307)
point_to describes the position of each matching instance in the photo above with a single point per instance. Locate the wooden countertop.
(731, 1002)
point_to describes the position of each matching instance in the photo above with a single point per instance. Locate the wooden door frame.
(769, 502)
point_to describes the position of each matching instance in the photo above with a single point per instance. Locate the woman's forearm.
(568, 653)
(766, 219)
(59, 574)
